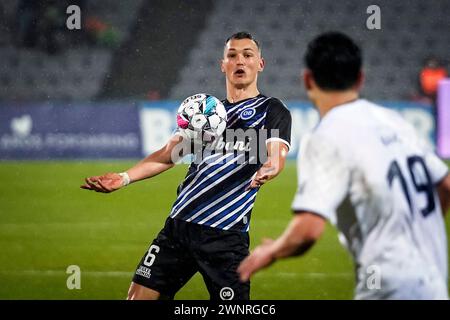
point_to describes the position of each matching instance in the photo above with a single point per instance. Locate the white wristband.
(125, 178)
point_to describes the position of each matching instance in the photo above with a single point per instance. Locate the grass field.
(47, 223)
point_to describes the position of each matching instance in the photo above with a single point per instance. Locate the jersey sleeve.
(278, 123)
(437, 168)
(323, 177)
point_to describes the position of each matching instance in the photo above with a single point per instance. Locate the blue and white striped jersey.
(213, 192)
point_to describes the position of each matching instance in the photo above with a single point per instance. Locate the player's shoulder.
(343, 122)
(276, 105)
(358, 119)
(384, 116)
(356, 114)
(356, 108)
(275, 102)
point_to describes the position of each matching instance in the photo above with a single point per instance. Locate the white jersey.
(365, 170)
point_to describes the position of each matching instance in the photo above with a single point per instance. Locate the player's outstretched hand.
(260, 258)
(255, 183)
(106, 183)
(262, 176)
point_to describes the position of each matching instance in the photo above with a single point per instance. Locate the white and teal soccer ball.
(202, 116)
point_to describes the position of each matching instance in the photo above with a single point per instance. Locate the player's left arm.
(278, 125)
(440, 177)
(300, 235)
(276, 158)
(443, 189)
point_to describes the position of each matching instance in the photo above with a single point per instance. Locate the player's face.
(241, 62)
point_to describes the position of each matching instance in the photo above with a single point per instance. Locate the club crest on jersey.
(247, 114)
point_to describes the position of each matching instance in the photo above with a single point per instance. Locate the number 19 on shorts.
(150, 257)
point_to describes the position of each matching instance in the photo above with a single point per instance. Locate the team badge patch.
(247, 114)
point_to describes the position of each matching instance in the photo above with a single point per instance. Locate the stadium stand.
(170, 49)
(148, 63)
(410, 31)
(76, 73)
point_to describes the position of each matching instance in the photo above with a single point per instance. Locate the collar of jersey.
(337, 107)
(228, 103)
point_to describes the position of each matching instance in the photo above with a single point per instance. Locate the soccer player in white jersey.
(364, 169)
(207, 230)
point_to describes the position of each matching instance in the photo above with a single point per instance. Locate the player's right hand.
(261, 257)
(106, 183)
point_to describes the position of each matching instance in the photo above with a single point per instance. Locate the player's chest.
(247, 117)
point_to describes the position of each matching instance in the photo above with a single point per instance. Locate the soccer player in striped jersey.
(364, 169)
(207, 229)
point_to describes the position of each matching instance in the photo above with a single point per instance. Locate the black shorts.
(183, 248)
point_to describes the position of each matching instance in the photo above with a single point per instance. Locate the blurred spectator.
(101, 33)
(27, 16)
(94, 26)
(42, 24)
(37, 24)
(51, 22)
(431, 74)
(109, 38)
(153, 95)
(3, 25)
(2, 14)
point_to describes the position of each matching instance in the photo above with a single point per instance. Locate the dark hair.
(243, 35)
(334, 60)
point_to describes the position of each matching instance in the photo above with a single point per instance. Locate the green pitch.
(47, 224)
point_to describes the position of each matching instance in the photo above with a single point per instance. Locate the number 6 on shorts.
(150, 257)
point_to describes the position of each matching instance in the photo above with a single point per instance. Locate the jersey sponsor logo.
(220, 144)
(144, 272)
(247, 114)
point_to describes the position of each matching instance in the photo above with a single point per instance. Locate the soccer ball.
(202, 117)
